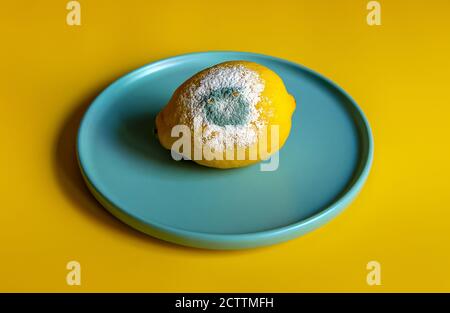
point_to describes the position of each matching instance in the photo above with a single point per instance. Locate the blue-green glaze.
(323, 164)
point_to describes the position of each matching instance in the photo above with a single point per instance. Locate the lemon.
(230, 115)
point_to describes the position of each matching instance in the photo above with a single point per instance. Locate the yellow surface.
(398, 73)
(276, 106)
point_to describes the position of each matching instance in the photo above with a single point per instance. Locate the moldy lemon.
(230, 115)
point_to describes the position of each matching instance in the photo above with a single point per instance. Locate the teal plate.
(322, 166)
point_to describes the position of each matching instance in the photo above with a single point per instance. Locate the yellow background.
(397, 72)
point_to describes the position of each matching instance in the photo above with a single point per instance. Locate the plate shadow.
(70, 180)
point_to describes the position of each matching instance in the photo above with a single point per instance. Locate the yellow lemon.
(230, 115)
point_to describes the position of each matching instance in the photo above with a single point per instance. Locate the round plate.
(322, 166)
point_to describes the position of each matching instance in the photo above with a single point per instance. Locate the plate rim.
(234, 240)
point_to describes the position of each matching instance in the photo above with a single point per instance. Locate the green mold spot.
(226, 106)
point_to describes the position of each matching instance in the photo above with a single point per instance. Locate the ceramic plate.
(322, 166)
